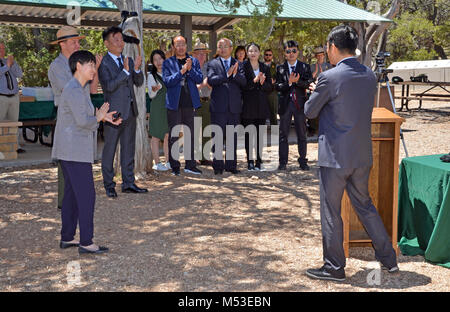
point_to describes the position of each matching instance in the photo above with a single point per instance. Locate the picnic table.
(425, 95)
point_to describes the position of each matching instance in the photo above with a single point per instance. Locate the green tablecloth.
(37, 110)
(424, 208)
(47, 110)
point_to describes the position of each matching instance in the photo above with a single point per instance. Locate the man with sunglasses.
(273, 95)
(292, 80)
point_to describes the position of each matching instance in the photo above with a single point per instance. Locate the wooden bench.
(425, 97)
(37, 127)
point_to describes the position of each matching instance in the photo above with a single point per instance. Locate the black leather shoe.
(282, 167)
(111, 192)
(134, 189)
(218, 171)
(64, 245)
(100, 249)
(233, 171)
(304, 167)
(326, 274)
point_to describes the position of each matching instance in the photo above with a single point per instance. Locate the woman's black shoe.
(64, 245)
(100, 249)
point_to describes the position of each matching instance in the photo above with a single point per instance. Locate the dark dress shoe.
(100, 250)
(326, 274)
(304, 167)
(111, 192)
(282, 167)
(218, 171)
(251, 166)
(64, 245)
(206, 162)
(176, 171)
(233, 171)
(20, 151)
(134, 189)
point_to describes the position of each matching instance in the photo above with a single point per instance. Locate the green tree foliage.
(412, 38)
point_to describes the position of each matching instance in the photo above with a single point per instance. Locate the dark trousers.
(79, 202)
(356, 182)
(205, 114)
(126, 133)
(222, 120)
(259, 134)
(273, 106)
(60, 185)
(300, 130)
(182, 116)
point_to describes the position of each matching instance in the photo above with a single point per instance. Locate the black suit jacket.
(300, 87)
(255, 95)
(118, 87)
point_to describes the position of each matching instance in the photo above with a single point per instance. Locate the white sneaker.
(160, 167)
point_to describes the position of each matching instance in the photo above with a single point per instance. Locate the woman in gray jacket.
(74, 145)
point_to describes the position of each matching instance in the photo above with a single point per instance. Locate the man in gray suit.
(343, 99)
(117, 76)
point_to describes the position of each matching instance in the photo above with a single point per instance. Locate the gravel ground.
(250, 232)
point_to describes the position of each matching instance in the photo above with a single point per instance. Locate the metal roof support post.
(186, 29)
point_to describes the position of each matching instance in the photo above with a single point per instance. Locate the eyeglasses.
(289, 51)
(224, 47)
(267, 54)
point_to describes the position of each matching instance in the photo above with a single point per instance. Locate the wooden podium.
(383, 181)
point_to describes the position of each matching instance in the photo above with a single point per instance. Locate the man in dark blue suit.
(226, 76)
(343, 99)
(181, 74)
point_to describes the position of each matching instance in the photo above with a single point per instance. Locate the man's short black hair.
(290, 44)
(268, 50)
(81, 57)
(344, 37)
(111, 30)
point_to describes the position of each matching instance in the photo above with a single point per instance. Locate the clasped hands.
(137, 63)
(102, 114)
(187, 66)
(233, 69)
(261, 77)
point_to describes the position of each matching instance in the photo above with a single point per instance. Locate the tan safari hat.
(200, 47)
(66, 33)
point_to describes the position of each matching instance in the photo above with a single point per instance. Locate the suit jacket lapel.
(286, 71)
(112, 62)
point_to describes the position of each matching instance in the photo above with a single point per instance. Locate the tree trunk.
(133, 26)
(369, 34)
(38, 44)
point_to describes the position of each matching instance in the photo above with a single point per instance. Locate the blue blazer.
(343, 101)
(172, 79)
(226, 91)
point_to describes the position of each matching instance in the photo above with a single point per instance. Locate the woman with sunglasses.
(255, 109)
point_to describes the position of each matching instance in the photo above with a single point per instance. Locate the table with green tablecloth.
(424, 208)
(46, 109)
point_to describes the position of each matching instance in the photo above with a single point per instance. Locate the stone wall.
(8, 139)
